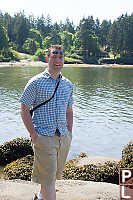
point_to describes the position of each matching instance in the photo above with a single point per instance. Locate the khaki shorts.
(50, 155)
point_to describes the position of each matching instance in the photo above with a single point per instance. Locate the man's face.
(56, 59)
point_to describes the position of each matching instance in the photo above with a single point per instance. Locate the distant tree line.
(88, 41)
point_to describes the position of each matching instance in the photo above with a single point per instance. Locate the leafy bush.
(13, 45)
(35, 58)
(12, 150)
(107, 173)
(127, 155)
(22, 169)
(19, 169)
(92, 60)
(7, 55)
(125, 60)
(30, 46)
(40, 54)
(16, 56)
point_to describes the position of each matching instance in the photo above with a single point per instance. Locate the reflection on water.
(103, 99)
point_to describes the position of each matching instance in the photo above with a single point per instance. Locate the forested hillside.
(90, 41)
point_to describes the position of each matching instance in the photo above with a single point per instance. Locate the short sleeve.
(29, 95)
(70, 102)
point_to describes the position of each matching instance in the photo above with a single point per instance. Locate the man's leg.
(64, 148)
(48, 192)
(45, 165)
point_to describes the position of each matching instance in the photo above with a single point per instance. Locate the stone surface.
(66, 190)
(97, 160)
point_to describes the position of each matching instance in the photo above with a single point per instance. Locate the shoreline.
(25, 63)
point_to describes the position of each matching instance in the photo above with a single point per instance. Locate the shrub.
(16, 56)
(125, 60)
(92, 60)
(30, 46)
(40, 53)
(82, 155)
(7, 55)
(107, 173)
(12, 150)
(127, 155)
(19, 169)
(22, 169)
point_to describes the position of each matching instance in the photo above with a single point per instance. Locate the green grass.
(24, 56)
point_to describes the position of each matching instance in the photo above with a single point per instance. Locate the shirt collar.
(48, 75)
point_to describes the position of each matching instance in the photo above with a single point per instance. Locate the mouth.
(58, 65)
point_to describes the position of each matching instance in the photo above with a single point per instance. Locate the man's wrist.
(33, 134)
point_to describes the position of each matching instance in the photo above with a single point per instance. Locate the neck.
(54, 74)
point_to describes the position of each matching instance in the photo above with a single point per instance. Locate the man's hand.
(34, 138)
(69, 118)
(26, 117)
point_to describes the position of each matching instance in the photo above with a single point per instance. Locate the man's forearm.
(26, 117)
(69, 119)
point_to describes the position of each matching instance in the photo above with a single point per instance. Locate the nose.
(58, 59)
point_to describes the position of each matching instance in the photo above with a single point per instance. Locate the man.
(50, 128)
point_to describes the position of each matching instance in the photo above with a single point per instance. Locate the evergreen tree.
(3, 37)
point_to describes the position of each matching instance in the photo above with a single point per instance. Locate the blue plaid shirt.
(49, 117)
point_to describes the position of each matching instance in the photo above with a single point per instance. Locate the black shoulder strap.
(48, 99)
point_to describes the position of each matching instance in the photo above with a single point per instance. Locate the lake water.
(103, 107)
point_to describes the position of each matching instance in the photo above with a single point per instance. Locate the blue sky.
(73, 9)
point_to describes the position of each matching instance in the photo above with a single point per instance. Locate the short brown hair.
(56, 46)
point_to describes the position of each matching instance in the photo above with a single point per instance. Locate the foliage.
(41, 54)
(120, 36)
(7, 55)
(122, 60)
(13, 45)
(30, 46)
(16, 56)
(3, 37)
(127, 155)
(54, 34)
(106, 173)
(82, 155)
(22, 169)
(72, 61)
(12, 150)
(76, 56)
(19, 169)
(47, 42)
(76, 40)
(88, 37)
(66, 40)
(21, 28)
(36, 36)
(92, 60)
(125, 60)
(104, 32)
